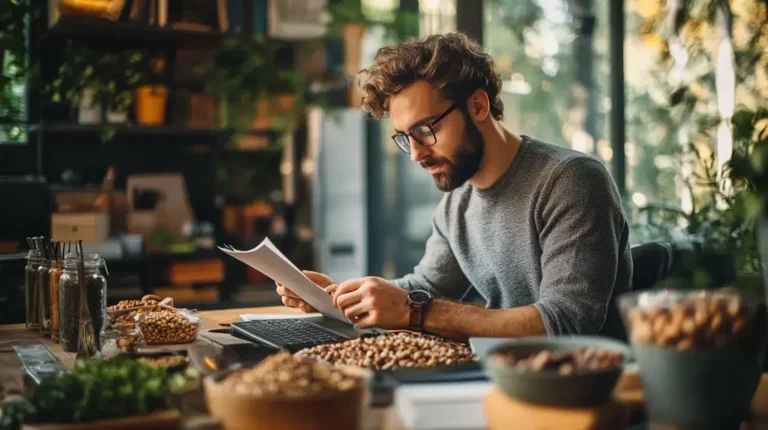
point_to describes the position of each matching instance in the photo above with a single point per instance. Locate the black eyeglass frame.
(406, 144)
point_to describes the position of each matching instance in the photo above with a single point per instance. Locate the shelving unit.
(134, 33)
(51, 134)
(160, 130)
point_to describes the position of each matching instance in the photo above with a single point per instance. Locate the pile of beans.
(390, 351)
(565, 362)
(284, 376)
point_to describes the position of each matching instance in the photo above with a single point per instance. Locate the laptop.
(329, 326)
(299, 332)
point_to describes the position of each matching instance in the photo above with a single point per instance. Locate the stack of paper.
(267, 259)
(442, 406)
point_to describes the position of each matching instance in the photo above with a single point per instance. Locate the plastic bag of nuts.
(688, 320)
(166, 326)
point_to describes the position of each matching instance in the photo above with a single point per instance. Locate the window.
(437, 16)
(553, 57)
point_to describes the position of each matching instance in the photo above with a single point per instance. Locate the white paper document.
(258, 317)
(267, 259)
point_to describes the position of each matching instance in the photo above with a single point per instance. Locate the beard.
(468, 158)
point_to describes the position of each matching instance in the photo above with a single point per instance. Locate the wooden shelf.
(133, 32)
(60, 127)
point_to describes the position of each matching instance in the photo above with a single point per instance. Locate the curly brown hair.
(453, 62)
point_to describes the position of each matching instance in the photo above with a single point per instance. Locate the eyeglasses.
(423, 134)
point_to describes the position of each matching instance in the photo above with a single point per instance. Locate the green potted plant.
(350, 21)
(749, 169)
(96, 83)
(151, 94)
(250, 84)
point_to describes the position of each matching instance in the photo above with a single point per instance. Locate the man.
(537, 230)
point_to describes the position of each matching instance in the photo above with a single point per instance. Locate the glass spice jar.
(32, 290)
(54, 274)
(119, 339)
(44, 284)
(69, 299)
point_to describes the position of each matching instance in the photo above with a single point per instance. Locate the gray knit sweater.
(549, 233)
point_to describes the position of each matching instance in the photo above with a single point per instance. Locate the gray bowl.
(548, 387)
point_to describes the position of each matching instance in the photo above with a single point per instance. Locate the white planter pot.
(89, 112)
(117, 117)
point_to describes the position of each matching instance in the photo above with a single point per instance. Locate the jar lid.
(90, 261)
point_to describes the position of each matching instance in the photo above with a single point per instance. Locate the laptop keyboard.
(291, 334)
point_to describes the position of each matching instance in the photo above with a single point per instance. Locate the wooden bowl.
(330, 410)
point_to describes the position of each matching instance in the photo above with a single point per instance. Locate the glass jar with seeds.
(69, 298)
(54, 274)
(32, 290)
(44, 285)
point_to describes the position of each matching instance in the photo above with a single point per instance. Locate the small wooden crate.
(90, 227)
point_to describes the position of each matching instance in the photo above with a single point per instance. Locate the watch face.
(419, 297)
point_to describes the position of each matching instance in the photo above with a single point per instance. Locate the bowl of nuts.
(699, 353)
(569, 371)
(167, 326)
(391, 351)
(286, 392)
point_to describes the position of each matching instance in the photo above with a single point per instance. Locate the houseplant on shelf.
(250, 84)
(350, 20)
(97, 83)
(151, 94)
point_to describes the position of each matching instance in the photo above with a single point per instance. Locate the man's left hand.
(373, 302)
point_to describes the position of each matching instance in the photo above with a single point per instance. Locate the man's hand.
(373, 302)
(291, 300)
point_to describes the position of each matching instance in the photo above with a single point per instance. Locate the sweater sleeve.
(580, 222)
(438, 272)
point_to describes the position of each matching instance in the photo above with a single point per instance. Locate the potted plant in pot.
(348, 19)
(250, 83)
(97, 84)
(749, 167)
(152, 95)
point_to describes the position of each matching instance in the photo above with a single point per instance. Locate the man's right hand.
(290, 299)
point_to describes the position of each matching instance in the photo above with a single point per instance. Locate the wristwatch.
(418, 301)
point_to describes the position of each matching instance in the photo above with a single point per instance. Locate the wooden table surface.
(628, 391)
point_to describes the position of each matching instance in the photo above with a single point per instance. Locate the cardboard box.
(90, 227)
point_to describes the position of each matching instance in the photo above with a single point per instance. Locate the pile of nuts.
(128, 344)
(709, 320)
(284, 376)
(128, 304)
(566, 362)
(166, 326)
(394, 350)
(165, 361)
(129, 319)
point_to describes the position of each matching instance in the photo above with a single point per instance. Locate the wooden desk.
(629, 390)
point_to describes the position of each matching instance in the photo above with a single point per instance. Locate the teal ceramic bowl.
(548, 387)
